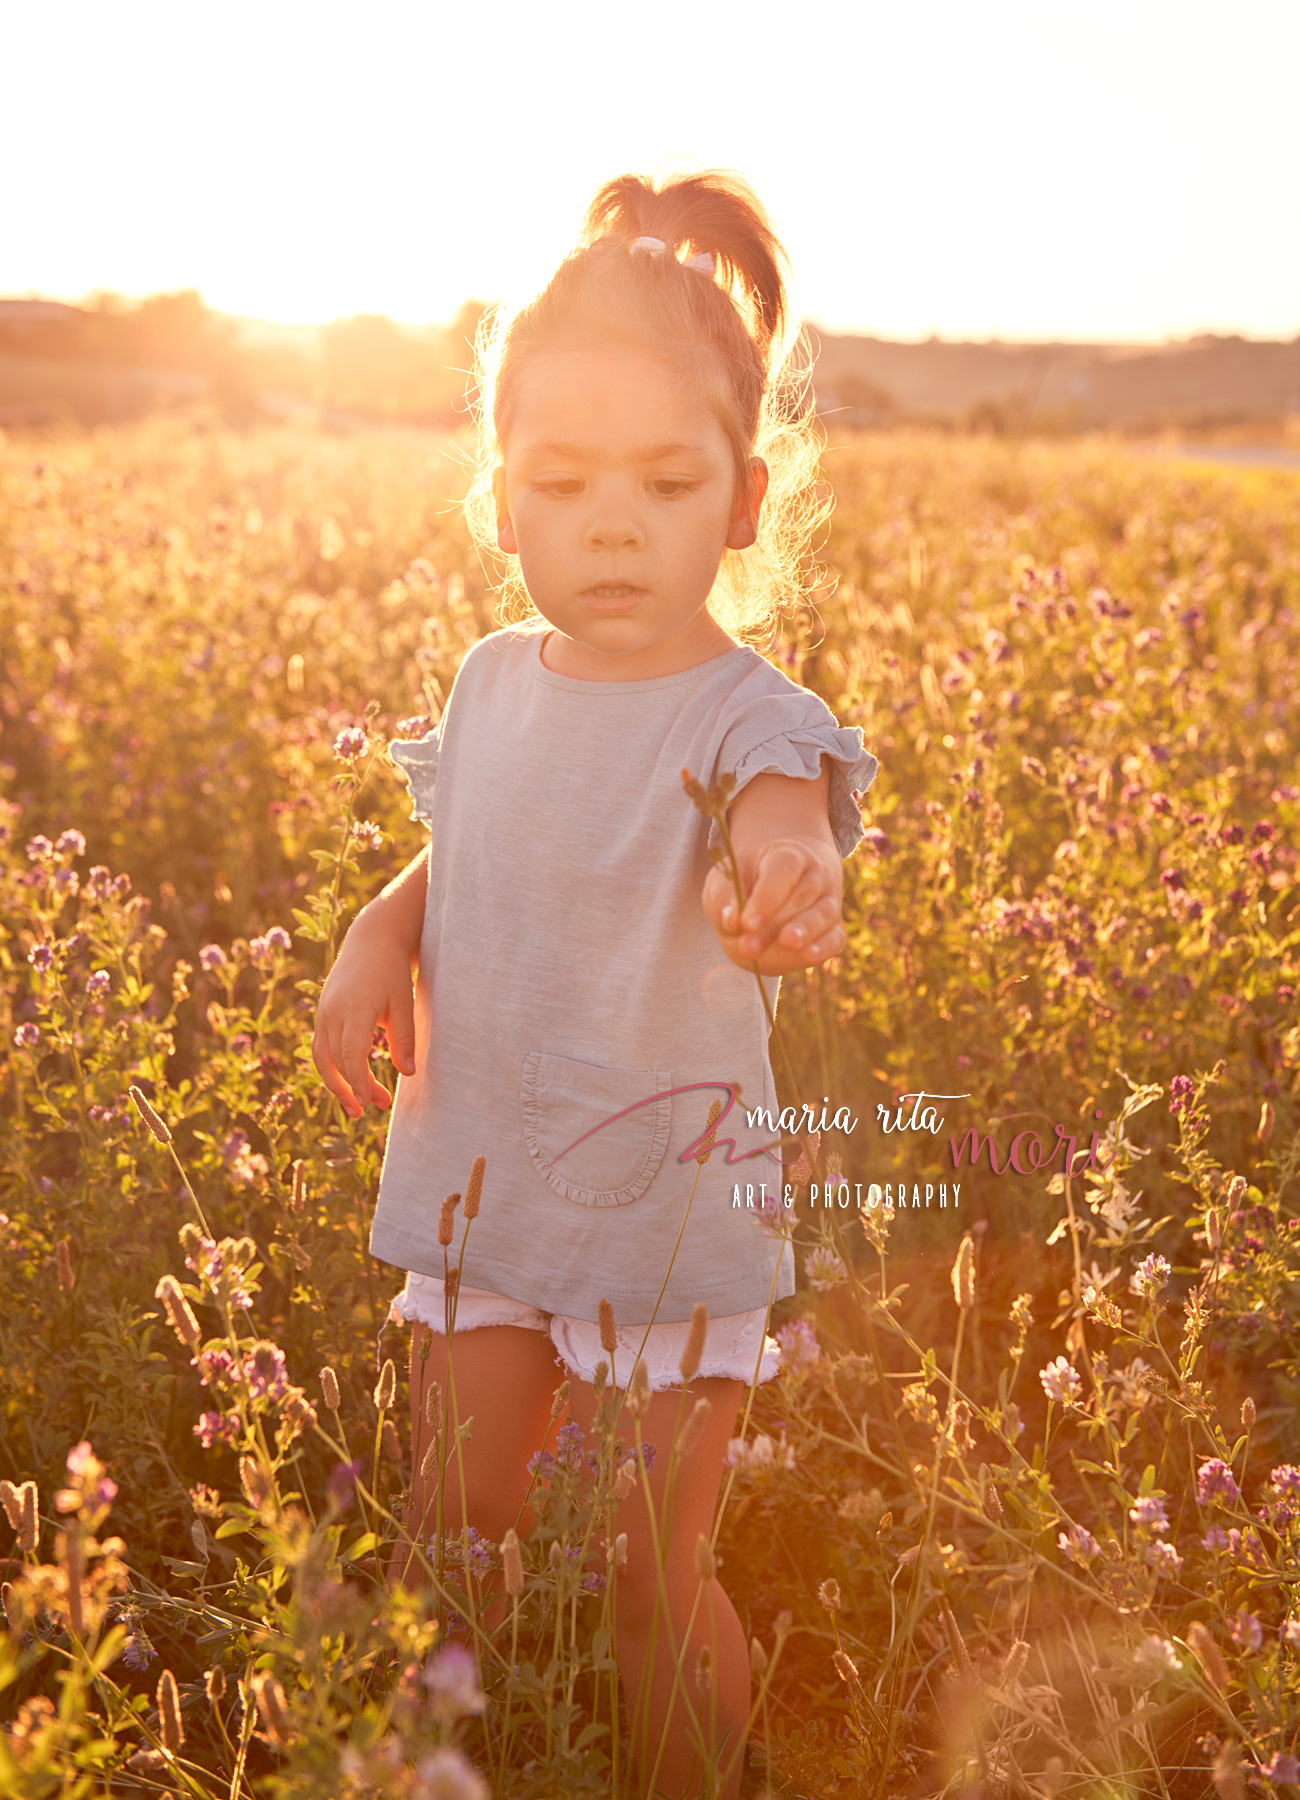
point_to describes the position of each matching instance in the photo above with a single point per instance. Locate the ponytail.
(731, 331)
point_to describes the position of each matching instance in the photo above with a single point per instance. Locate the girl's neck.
(704, 640)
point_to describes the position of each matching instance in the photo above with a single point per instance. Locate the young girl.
(585, 988)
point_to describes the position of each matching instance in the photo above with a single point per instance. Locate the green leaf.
(364, 1544)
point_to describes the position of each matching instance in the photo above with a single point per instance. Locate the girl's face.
(618, 495)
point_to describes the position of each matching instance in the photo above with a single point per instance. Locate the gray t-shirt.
(568, 973)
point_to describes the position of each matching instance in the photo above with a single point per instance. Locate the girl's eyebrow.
(584, 452)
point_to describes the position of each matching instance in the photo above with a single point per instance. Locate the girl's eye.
(676, 487)
(563, 489)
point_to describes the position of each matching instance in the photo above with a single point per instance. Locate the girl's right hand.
(369, 985)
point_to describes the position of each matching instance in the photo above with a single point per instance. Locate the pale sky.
(1082, 169)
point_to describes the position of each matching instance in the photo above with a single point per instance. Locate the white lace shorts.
(730, 1347)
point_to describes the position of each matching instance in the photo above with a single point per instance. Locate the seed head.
(1212, 1235)
(694, 1351)
(829, 1595)
(474, 1189)
(179, 1316)
(1207, 1653)
(29, 1527)
(1226, 1772)
(559, 1400)
(1013, 1665)
(215, 1683)
(447, 1220)
(512, 1564)
(845, 1667)
(433, 1405)
(386, 1386)
(704, 1670)
(757, 1658)
(329, 1387)
(429, 1461)
(638, 1389)
(956, 1642)
(255, 1481)
(706, 1565)
(298, 1192)
(269, 1696)
(170, 1729)
(963, 1274)
(608, 1328)
(451, 1284)
(690, 1434)
(625, 1480)
(705, 1150)
(12, 1610)
(1248, 1412)
(150, 1117)
(1264, 1130)
(11, 1500)
(992, 1501)
(391, 1442)
(63, 1256)
(555, 1556)
(620, 1550)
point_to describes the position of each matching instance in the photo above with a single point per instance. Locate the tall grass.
(1020, 1513)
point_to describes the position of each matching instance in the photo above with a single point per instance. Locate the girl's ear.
(743, 530)
(505, 529)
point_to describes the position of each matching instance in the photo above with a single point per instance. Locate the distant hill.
(1204, 382)
(111, 360)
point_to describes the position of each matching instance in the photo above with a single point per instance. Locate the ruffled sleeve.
(418, 761)
(789, 736)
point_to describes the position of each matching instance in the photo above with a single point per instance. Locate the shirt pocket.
(588, 1134)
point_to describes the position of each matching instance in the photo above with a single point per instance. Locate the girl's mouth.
(612, 597)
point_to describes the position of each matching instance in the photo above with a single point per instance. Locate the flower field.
(1021, 1513)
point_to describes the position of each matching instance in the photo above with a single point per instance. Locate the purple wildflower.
(212, 956)
(97, 984)
(1181, 1091)
(1282, 1769)
(800, 1350)
(216, 1428)
(451, 1677)
(1215, 1481)
(342, 1480)
(1246, 1629)
(368, 834)
(264, 1370)
(41, 956)
(1285, 1479)
(1149, 1513)
(1061, 1380)
(214, 1365)
(1078, 1544)
(350, 744)
(415, 725)
(71, 843)
(27, 1037)
(879, 841)
(568, 1445)
(39, 847)
(1150, 1276)
(137, 1651)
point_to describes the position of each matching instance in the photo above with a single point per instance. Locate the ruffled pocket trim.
(798, 752)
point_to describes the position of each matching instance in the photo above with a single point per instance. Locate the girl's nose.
(612, 526)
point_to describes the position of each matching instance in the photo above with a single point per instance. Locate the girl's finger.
(355, 1063)
(806, 926)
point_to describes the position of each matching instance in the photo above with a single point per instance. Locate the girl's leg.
(505, 1377)
(723, 1705)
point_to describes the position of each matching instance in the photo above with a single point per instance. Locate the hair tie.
(652, 246)
(703, 262)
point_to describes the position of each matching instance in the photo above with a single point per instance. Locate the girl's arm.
(790, 871)
(369, 985)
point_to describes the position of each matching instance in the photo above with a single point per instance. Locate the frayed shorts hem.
(731, 1346)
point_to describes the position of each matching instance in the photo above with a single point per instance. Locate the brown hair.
(730, 332)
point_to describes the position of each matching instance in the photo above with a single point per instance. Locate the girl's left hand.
(792, 918)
